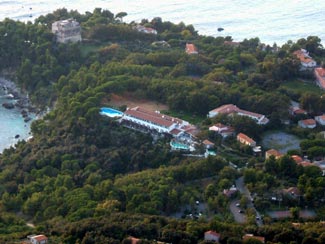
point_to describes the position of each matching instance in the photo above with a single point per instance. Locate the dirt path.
(131, 101)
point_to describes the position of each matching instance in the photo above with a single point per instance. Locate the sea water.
(11, 124)
(273, 21)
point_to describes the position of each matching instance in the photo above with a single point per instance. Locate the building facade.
(233, 109)
(154, 120)
(67, 31)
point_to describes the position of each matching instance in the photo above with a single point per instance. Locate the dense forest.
(84, 178)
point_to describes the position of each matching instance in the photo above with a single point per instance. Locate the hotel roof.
(154, 117)
(226, 109)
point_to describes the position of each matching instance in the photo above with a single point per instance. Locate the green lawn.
(192, 118)
(299, 86)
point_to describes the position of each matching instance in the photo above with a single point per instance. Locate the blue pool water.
(179, 146)
(112, 113)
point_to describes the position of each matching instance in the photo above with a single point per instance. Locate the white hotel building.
(233, 109)
(155, 120)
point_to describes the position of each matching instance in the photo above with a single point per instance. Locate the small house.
(223, 130)
(191, 49)
(37, 239)
(244, 139)
(305, 60)
(146, 30)
(273, 152)
(208, 144)
(211, 236)
(307, 123)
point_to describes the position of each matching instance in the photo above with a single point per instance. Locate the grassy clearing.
(301, 87)
(192, 118)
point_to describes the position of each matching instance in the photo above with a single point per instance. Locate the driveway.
(239, 217)
(244, 191)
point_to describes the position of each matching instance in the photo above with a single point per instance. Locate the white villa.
(233, 109)
(305, 60)
(147, 30)
(223, 130)
(67, 31)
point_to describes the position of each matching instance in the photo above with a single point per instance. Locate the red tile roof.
(208, 143)
(39, 238)
(292, 190)
(320, 75)
(153, 117)
(191, 49)
(274, 153)
(303, 56)
(226, 109)
(213, 233)
(242, 136)
(308, 122)
(297, 158)
(251, 236)
(175, 132)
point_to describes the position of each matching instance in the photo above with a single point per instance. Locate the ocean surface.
(11, 124)
(273, 21)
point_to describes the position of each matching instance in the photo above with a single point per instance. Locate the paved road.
(239, 217)
(243, 190)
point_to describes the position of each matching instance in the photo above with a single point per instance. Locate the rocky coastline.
(19, 100)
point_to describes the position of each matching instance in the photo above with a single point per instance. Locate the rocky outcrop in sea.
(18, 98)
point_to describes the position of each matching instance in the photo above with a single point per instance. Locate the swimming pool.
(110, 112)
(179, 146)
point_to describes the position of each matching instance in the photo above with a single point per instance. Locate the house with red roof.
(36, 239)
(307, 123)
(191, 49)
(208, 144)
(293, 110)
(305, 60)
(211, 236)
(229, 192)
(223, 130)
(320, 77)
(244, 139)
(229, 109)
(273, 152)
(320, 119)
(293, 192)
(246, 237)
(300, 161)
(146, 30)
